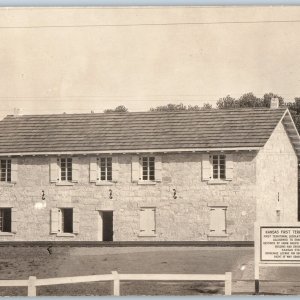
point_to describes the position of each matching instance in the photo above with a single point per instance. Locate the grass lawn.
(22, 262)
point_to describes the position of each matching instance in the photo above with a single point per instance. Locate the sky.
(78, 60)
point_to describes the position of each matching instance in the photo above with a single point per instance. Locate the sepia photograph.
(149, 150)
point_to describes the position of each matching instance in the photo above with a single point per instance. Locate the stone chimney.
(274, 103)
(17, 112)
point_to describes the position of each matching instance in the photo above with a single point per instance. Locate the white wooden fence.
(32, 283)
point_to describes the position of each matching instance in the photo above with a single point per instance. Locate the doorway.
(106, 230)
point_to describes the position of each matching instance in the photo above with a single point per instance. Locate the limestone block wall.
(277, 178)
(183, 219)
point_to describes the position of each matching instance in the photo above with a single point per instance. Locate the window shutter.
(218, 220)
(143, 224)
(147, 221)
(75, 220)
(14, 219)
(158, 168)
(206, 167)
(75, 169)
(93, 169)
(229, 166)
(115, 168)
(135, 168)
(151, 220)
(14, 170)
(54, 169)
(54, 220)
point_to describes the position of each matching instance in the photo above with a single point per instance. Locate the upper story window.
(5, 170)
(148, 168)
(105, 168)
(66, 169)
(219, 166)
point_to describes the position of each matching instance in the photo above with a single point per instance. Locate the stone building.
(148, 176)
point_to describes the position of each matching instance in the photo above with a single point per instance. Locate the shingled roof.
(138, 131)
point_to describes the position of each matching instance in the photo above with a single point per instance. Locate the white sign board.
(280, 243)
(276, 245)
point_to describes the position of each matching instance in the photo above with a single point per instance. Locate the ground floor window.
(217, 220)
(147, 221)
(66, 220)
(5, 219)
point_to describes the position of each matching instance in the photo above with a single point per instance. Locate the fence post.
(31, 286)
(228, 282)
(116, 283)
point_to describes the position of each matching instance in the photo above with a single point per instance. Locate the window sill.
(217, 181)
(141, 182)
(61, 183)
(66, 234)
(147, 235)
(220, 204)
(6, 233)
(4, 183)
(217, 235)
(104, 183)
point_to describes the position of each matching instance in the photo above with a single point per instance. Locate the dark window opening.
(5, 219)
(67, 220)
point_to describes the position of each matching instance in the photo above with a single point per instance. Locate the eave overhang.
(179, 150)
(292, 131)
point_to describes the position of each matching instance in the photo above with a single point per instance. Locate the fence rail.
(32, 283)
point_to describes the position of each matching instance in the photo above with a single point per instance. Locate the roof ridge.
(154, 112)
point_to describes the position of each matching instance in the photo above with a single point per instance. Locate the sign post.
(276, 244)
(256, 256)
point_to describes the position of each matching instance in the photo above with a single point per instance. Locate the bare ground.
(22, 262)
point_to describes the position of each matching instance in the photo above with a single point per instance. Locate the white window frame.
(66, 169)
(218, 157)
(61, 219)
(7, 169)
(148, 168)
(106, 170)
(2, 219)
